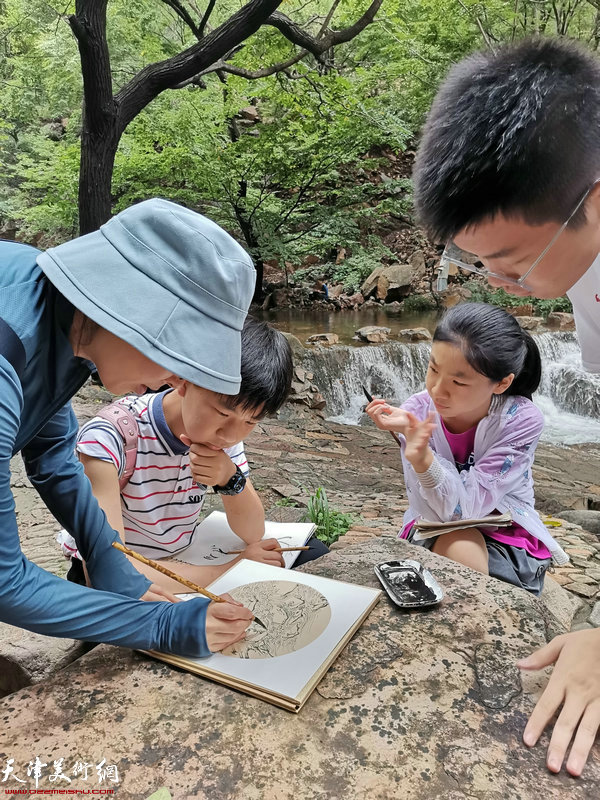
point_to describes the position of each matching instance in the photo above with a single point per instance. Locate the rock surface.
(420, 705)
(323, 338)
(373, 334)
(360, 469)
(587, 519)
(414, 335)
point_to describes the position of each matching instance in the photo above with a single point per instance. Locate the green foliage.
(482, 293)
(330, 524)
(305, 178)
(352, 271)
(286, 502)
(419, 302)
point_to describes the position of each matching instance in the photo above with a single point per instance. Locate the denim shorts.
(510, 564)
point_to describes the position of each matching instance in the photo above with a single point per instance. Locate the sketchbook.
(426, 529)
(213, 539)
(309, 620)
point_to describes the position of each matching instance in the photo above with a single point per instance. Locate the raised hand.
(208, 466)
(417, 434)
(386, 417)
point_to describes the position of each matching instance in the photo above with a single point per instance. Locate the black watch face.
(237, 483)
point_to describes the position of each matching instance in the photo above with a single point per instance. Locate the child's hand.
(386, 417)
(226, 623)
(209, 467)
(417, 435)
(264, 551)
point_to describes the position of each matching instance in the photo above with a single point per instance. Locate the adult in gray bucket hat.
(158, 295)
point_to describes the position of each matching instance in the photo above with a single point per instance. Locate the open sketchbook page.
(214, 538)
(426, 529)
(306, 616)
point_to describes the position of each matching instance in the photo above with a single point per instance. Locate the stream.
(568, 396)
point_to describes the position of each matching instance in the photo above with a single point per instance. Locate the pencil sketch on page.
(294, 615)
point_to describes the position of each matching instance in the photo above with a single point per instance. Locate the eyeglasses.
(453, 255)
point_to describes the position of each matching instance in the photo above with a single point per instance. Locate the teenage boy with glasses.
(507, 169)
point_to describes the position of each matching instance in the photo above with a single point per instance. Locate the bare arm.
(245, 514)
(105, 487)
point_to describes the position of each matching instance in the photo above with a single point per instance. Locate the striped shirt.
(161, 502)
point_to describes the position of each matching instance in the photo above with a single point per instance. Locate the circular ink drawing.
(293, 614)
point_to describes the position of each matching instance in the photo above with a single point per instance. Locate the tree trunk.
(98, 149)
(252, 244)
(100, 125)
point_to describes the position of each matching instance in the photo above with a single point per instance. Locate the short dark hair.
(267, 369)
(516, 133)
(494, 344)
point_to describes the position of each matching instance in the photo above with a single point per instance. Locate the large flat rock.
(420, 705)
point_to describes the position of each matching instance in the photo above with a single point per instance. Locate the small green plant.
(286, 502)
(330, 524)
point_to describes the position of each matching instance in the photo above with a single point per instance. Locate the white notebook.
(307, 621)
(426, 529)
(214, 538)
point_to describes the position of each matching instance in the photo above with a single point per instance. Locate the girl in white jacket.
(469, 441)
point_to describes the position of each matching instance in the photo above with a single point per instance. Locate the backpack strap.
(11, 347)
(124, 421)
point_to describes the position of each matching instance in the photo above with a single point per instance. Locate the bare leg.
(466, 547)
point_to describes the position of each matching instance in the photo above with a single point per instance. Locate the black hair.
(267, 369)
(494, 344)
(515, 133)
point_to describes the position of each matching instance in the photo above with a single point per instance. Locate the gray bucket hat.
(168, 281)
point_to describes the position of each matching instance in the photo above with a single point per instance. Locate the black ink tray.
(409, 584)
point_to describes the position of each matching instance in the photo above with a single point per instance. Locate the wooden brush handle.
(155, 565)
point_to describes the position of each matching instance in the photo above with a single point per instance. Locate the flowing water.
(568, 396)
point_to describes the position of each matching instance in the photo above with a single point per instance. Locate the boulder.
(298, 349)
(394, 282)
(588, 520)
(27, 658)
(394, 307)
(250, 113)
(561, 320)
(54, 131)
(373, 334)
(337, 290)
(355, 300)
(370, 284)
(414, 335)
(561, 603)
(310, 261)
(525, 310)
(426, 705)
(323, 338)
(529, 323)
(417, 264)
(454, 296)
(388, 283)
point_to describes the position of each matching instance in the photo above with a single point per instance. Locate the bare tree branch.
(155, 78)
(246, 73)
(328, 18)
(207, 13)
(317, 47)
(297, 35)
(184, 14)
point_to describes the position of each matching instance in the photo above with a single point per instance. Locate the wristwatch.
(234, 485)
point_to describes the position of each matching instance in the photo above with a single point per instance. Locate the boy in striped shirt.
(189, 438)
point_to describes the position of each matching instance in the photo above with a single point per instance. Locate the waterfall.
(568, 396)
